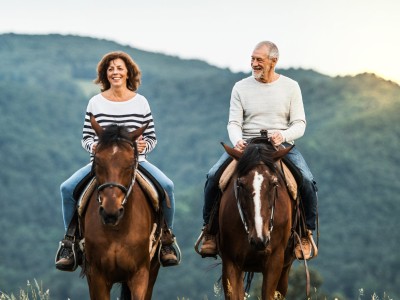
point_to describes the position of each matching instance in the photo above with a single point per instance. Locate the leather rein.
(126, 190)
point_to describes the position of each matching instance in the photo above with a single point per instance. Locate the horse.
(255, 221)
(118, 223)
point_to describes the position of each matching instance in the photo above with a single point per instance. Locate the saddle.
(149, 184)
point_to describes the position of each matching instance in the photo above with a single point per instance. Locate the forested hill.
(351, 144)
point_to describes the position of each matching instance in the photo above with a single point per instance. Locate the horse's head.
(114, 165)
(256, 188)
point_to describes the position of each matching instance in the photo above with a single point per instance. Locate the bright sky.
(340, 37)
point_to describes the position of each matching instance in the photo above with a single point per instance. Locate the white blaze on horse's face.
(258, 221)
(115, 150)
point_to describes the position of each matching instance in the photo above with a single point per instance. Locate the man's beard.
(257, 75)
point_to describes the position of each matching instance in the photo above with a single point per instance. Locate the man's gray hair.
(273, 49)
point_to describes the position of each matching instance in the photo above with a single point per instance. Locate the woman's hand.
(94, 148)
(141, 144)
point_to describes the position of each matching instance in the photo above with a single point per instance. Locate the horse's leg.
(154, 268)
(271, 275)
(99, 289)
(138, 284)
(284, 279)
(232, 280)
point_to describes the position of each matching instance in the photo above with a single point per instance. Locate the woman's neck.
(118, 94)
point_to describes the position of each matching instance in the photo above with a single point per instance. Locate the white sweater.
(276, 106)
(133, 113)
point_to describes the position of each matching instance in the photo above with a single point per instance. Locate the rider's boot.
(65, 257)
(208, 243)
(308, 248)
(168, 255)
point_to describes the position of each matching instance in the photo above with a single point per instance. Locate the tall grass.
(31, 292)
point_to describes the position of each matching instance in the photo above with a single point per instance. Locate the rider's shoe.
(208, 244)
(307, 249)
(168, 253)
(66, 261)
(168, 256)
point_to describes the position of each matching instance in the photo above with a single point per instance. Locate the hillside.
(351, 145)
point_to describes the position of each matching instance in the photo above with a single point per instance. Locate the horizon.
(336, 39)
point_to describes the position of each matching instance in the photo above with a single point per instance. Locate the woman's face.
(117, 73)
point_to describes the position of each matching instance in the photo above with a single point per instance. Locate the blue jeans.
(308, 192)
(67, 193)
(168, 186)
(69, 202)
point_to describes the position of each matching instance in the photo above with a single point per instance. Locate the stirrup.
(177, 250)
(197, 244)
(69, 243)
(313, 247)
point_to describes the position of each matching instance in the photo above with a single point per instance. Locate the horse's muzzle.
(111, 219)
(258, 243)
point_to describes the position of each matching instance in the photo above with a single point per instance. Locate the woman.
(118, 103)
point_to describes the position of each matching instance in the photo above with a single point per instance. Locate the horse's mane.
(253, 155)
(114, 135)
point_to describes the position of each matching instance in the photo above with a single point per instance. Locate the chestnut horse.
(119, 220)
(255, 222)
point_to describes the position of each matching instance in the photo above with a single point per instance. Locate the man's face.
(261, 64)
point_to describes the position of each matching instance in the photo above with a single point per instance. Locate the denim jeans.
(67, 193)
(211, 189)
(168, 186)
(308, 192)
(309, 189)
(69, 203)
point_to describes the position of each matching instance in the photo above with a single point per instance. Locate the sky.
(341, 37)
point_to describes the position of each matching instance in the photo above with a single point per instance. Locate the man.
(265, 100)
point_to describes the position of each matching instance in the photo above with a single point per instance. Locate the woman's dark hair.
(134, 74)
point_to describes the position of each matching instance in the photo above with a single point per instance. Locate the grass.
(32, 292)
(36, 292)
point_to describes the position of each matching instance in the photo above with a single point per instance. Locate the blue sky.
(341, 37)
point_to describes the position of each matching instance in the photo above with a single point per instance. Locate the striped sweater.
(133, 113)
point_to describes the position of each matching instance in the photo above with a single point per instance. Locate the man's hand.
(240, 145)
(277, 138)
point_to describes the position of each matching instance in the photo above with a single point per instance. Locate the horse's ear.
(281, 153)
(97, 128)
(138, 132)
(234, 153)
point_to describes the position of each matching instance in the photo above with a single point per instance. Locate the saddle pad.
(85, 196)
(142, 180)
(290, 180)
(291, 183)
(226, 175)
(149, 189)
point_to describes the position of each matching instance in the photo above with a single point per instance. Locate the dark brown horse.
(255, 221)
(119, 220)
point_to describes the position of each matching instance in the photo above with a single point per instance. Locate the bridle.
(126, 190)
(237, 190)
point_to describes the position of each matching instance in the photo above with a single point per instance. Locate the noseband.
(237, 190)
(126, 190)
